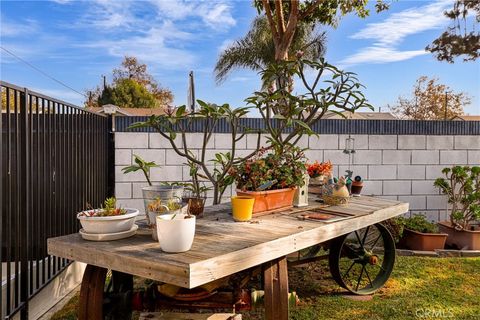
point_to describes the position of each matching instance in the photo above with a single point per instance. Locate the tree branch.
(271, 22)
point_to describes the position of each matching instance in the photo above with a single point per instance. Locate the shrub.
(462, 187)
(418, 223)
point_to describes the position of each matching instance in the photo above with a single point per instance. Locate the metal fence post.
(111, 156)
(24, 203)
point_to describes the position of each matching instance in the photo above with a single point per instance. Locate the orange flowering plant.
(317, 169)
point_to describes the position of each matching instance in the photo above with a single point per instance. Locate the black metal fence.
(54, 160)
(341, 126)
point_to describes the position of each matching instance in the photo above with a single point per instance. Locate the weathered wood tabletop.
(223, 247)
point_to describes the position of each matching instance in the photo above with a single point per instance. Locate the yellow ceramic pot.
(242, 207)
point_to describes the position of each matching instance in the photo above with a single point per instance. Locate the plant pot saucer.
(108, 236)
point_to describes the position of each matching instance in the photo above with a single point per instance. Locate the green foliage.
(128, 93)
(462, 187)
(331, 89)
(327, 11)
(132, 87)
(456, 41)
(256, 49)
(195, 186)
(418, 223)
(274, 170)
(141, 164)
(174, 125)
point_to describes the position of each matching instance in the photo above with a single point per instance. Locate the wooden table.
(221, 247)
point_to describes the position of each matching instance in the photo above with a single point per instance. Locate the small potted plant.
(153, 192)
(271, 178)
(175, 231)
(160, 207)
(107, 219)
(420, 234)
(357, 186)
(196, 191)
(319, 172)
(461, 185)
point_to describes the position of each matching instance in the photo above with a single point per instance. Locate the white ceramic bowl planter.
(175, 232)
(107, 224)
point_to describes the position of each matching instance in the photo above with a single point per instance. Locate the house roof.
(131, 112)
(360, 115)
(466, 117)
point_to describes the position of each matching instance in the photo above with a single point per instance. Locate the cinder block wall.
(401, 167)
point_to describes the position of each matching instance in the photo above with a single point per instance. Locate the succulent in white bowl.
(108, 218)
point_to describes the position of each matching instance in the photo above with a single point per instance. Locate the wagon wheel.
(105, 294)
(363, 260)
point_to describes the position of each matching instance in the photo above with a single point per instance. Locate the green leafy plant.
(418, 223)
(160, 206)
(462, 187)
(175, 124)
(271, 170)
(290, 116)
(142, 165)
(196, 188)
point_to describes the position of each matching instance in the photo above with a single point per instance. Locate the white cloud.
(158, 31)
(152, 46)
(17, 28)
(389, 34)
(378, 54)
(215, 14)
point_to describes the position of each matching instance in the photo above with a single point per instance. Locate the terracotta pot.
(357, 187)
(414, 240)
(464, 239)
(271, 199)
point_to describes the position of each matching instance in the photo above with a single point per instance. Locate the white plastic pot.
(175, 235)
(109, 224)
(152, 216)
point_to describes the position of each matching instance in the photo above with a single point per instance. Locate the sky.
(76, 42)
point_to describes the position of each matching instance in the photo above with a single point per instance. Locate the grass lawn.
(419, 288)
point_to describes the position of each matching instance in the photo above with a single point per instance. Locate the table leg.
(91, 293)
(275, 274)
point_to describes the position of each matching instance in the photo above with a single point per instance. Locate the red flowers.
(319, 168)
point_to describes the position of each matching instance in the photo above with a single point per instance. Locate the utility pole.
(446, 105)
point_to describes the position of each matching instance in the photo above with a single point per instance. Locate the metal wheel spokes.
(362, 261)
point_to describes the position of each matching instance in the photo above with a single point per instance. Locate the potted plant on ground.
(462, 188)
(153, 192)
(271, 177)
(420, 234)
(175, 231)
(107, 219)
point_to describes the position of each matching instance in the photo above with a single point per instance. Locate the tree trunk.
(281, 52)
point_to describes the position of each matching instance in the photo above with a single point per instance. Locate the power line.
(42, 72)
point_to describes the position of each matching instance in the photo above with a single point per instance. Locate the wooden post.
(91, 293)
(275, 275)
